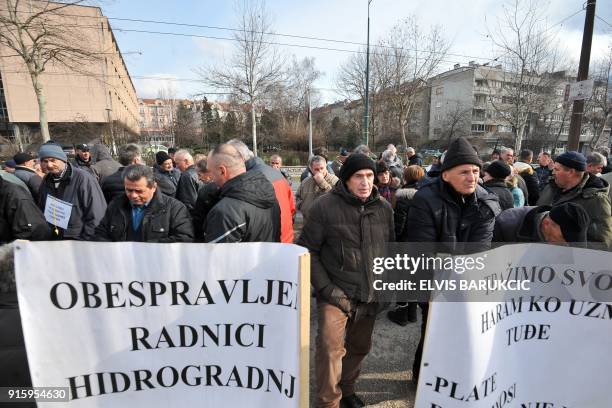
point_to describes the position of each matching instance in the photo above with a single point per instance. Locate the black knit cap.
(381, 167)
(22, 157)
(572, 219)
(354, 163)
(460, 152)
(161, 157)
(498, 169)
(573, 160)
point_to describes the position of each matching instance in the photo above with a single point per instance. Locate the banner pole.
(304, 327)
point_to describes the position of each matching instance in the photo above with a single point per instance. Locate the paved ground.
(385, 377)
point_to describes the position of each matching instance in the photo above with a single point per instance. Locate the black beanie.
(381, 167)
(460, 152)
(354, 163)
(21, 158)
(573, 221)
(161, 157)
(498, 169)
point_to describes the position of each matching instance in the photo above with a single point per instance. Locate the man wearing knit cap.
(572, 183)
(452, 210)
(24, 170)
(166, 175)
(341, 231)
(70, 198)
(563, 224)
(495, 176)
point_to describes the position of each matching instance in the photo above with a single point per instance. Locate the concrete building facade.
(100, 93)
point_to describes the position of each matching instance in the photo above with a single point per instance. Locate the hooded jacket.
(247, 211)
(104, 164)
(283, 193)
(165, 220)
(439, 214)
(343, 234)
(592, 194)
(84, 193)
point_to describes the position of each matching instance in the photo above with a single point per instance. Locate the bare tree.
(598, 107)
(529, 56)
(41, 37)
(457, 120)
(409, 56)
(255, 67)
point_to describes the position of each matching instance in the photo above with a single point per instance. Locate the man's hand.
(319, 177)
(333, 295)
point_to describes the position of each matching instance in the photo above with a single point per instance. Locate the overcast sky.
(465, 24)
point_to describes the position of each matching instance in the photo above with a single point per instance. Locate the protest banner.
(525, 351)
(150, 325)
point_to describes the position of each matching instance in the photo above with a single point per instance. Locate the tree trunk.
(404, 141)
(254, 127)
(42, 107)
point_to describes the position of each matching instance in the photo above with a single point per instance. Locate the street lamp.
(366, 113)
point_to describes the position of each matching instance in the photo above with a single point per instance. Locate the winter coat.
(306, 173)
(84, 193)
(520, 182)
(341, 235)
(187, 187)
(532, 184)
(20, 218)
(113, 185)
(283, 192)
(502, 190)
(11, 178)
(165, 220)
(247, 211)
(208, 196)
(104, 165)
(336, 166)
(520, 225)
(86, 166)
(30, 178)
(417, 160)
(544, 177)
(167, 181)
(607, 177)
(592, 194)
(310, 190)
(517, 197)
(403, 198)
(439, 214)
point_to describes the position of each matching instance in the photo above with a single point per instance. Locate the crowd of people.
(349, 204)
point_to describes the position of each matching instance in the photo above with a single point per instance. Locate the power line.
(604, 21)
(270, 33)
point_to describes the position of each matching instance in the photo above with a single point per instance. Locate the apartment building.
(101, 93)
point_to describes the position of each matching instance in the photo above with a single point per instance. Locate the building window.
(439, 90)
(478, 128)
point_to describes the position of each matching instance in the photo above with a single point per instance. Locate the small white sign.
(57, 212)
(581, 90)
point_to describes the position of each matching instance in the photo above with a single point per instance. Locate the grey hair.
(183, 155)
(387, 154)
(128, 153)
(503, 150)
(316, 159)
(276, 156)
(410, 150)
(242, 149)
(596, 159)
(201, 166)
(362, 149)
(135, 172)
(227, 155)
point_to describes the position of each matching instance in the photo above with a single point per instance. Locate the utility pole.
(366, 113)
(309, 124)
(573, 139)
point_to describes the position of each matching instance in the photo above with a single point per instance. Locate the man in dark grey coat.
(143, 213)
(26, 173)
(85, 202)
(564, 223)
(343, 230)
(452, 211)
(189, 183)
(247, 210)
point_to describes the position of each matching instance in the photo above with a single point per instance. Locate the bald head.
(225, 162)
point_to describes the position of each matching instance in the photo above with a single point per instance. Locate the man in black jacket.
(452, 211)
(166, 175)
(72, 191)
(24, 170)
(113, 186)
(189, 183)
(143, 214)
(247, 210)
(343, 230)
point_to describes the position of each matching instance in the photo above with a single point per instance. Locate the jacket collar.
(530, 225)
(341, 190)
